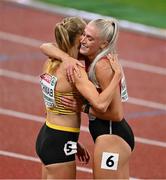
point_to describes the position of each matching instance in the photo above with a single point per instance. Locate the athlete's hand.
(71, 66)
(115, 65)
(82, 154)
(72, 103)
(51, 50)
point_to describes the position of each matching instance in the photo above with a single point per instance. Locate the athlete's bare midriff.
(72, 120)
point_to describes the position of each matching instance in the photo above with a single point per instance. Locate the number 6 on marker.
(109, 161)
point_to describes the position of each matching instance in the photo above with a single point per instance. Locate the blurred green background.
(148, 12)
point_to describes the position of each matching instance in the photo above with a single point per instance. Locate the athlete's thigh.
(111, 157)
(65, 170)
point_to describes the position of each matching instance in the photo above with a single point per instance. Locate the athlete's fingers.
(82, 154)
(69, 106)
(80, 64)
(69, 72)
(110, 57)
(77, 74)
(68, 102)
(66, 99)
(87, 156)
(77, 71)
(82, 158)
(70, 68)
(114, 62)
(79, 158)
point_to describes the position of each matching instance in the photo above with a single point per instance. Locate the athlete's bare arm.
(99, 101)
(104, 76)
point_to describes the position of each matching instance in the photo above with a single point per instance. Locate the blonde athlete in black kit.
(113, 137)
(56, 144)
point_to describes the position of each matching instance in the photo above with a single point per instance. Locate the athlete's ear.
(104, 44)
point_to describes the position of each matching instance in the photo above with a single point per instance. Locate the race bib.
(70, 148)
(124, 93)
(48, 83)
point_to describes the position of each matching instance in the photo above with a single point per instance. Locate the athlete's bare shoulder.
(103, 67)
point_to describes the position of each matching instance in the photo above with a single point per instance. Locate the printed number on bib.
(48, 83)
(109, 161)
(70, 148)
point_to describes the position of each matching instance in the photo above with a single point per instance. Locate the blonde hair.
(108, 31)
(66, 33)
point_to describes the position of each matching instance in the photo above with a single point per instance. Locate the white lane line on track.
(19, 76)
(35, 118)
(36, 43)
(35, 79)
(150, 142)
(35, 159)
(146, 103)
(143, 67)
(20, 39)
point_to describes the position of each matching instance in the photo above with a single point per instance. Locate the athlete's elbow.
(46, 49)
(102, 108)
(43, 47)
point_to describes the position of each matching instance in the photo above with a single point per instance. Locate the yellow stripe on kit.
(62, 128)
